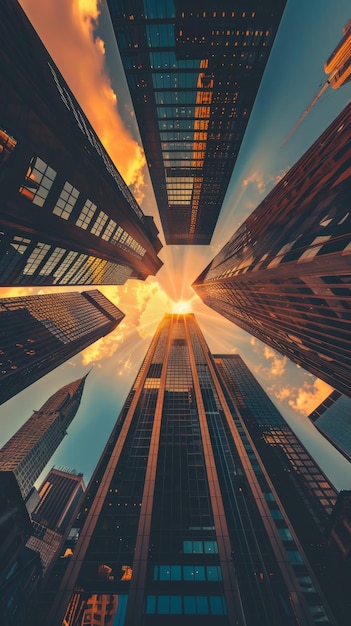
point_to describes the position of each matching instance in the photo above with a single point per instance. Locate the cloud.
(309, 396)
(262, 184)
(104, 347)
(278, 363)
(68, 30)
(255, 178)
(145, 303)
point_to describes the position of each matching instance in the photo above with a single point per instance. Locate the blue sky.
(308, 33)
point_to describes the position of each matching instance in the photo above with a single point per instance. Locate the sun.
(182, 306)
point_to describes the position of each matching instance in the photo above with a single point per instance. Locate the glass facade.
(285, 276)
(38, 333)
(180, 520)
(66, 217)
(29, 450)
(193, 74)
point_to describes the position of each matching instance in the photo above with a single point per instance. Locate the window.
(38, 181)
(99, 224)
(86, 214)
(36, 258)
(66, 201)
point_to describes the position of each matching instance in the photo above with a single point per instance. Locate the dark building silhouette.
(38, 333)
(339, 529)
(20, 567)
(193, 72)
(66, 215)
(181, 523)
(333, 420)
(285, 275)
(30, 449)
(60, 495)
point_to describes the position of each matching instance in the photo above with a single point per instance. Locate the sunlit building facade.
(180, 523)
(285, 275)
(66, 215)
(30, 449)
(39, 332)
(193, 71)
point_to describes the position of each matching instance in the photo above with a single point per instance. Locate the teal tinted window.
(189, 605)
(276, 514)
(176, 572)
(165, 572)
(187, 547)
(176, 605)
(213, 572)
(210, 547)
(151, 604)
(295, 557)
(163, 605)
(217, 605)
(202, 605)
(285, 534)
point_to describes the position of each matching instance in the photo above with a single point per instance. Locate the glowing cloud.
(68, 30)
(278, 363)
(309, 396)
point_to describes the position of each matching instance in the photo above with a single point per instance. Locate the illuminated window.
(86, 214)
(66, 201)
(38, 181)
(36, 258)
(99, 224)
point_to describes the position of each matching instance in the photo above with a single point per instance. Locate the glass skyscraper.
(193, 71)
(39, 332)
(180, 522)
(30, 449)
(285, 275)
(66, 216)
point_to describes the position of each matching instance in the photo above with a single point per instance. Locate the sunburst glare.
(183, 306)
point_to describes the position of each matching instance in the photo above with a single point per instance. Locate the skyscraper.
(30, 449)
(285, 275)
(333, 420)
(180, 520)
(60, 496)
(66, 215)
(193, 72)
(38, 333)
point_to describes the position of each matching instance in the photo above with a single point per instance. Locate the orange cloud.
(309, 396)
(278, 362)
(67, 28)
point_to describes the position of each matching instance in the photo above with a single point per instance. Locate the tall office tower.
(180, 520)
(66, 216)
(307, 495)
(285, 275)
(193, 72)
(60, 495)
(38, 333)
(32, 446)
(333, 420)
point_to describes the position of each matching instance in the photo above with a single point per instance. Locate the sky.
(78, 35)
